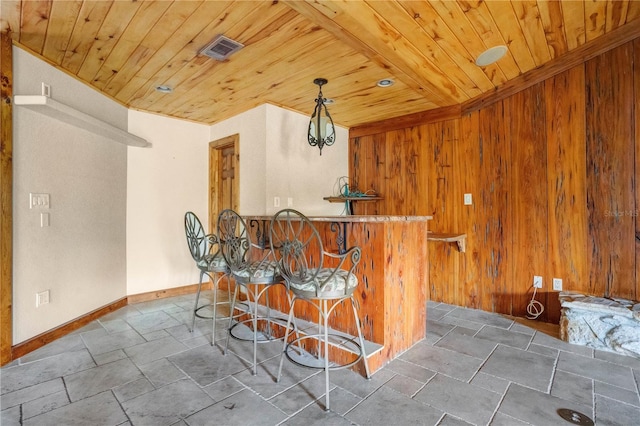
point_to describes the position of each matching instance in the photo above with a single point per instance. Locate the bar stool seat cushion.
(259, 270)
(325, 285)
(213, 263)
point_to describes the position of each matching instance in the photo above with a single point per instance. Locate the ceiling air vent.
(221, 48)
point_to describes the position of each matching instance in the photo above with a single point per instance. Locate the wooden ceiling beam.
(401, 65)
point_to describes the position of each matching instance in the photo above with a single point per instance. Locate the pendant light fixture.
(321, 129)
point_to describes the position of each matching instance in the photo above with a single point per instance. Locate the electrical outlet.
(557, 284)
(468, 199)
(289, 202)
(276, 201)
(42, 298)
(537, 281)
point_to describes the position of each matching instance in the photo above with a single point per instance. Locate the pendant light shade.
(321, 129)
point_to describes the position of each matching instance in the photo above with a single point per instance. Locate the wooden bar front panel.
(392, 285)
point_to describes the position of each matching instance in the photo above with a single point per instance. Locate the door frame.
(215, 147)
(6, 200)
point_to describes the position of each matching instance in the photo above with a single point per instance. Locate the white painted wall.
(164, 182)
(171, 178)
(80, 257)
(277, 161)
(298, 171)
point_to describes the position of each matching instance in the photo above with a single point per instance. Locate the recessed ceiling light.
(164, 89)
(385, 82)
(491, 55)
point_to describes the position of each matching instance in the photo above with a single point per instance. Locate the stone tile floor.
(141, 366)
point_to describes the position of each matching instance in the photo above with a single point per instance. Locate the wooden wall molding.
(430, 116)
(49, 336)
(169, 292)
(6, 198)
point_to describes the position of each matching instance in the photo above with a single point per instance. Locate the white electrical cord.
(534, 308)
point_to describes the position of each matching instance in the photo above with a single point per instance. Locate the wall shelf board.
(342, 199)
(460, 239)
(67, 114)
(349, 200)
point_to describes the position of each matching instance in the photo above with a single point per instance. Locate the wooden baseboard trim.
(169, 292)
(21, 349)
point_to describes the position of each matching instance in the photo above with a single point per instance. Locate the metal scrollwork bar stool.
(299, 251)
(205, 251)
(252, 267)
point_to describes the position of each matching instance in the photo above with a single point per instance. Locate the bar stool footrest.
(245, 326)
(210, 305)
(300, 357)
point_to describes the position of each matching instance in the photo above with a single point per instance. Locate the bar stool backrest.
(234, 240)
(297, 247)
(200, 244)
(311, 271)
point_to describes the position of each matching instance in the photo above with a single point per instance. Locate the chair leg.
(364, 353)
(231, 314)
(326, 353)
(195, 306)
(286, 338)
(293, 319)
(255, 329)
(215, 310)
(268, 305)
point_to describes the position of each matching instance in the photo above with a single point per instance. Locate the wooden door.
(223, 177)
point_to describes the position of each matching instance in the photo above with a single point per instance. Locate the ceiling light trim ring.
(491, 55)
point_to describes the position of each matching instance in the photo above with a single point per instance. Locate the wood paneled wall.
(553, 172)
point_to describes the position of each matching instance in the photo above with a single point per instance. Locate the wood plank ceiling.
(125, 49)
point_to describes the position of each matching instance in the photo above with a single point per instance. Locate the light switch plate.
(44, 220)
(46, 90)
(42, 298)
(38, 201)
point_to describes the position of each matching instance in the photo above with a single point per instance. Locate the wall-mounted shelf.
(343, 199)
(349, 200)
(62, 112)
(460, 239)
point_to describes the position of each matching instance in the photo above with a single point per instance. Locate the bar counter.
(392, 278)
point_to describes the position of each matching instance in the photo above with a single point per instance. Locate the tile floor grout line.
(553, 374)
(121, 407)
(369, 394)
(502, 397)
(429, 380)
(484, 362)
